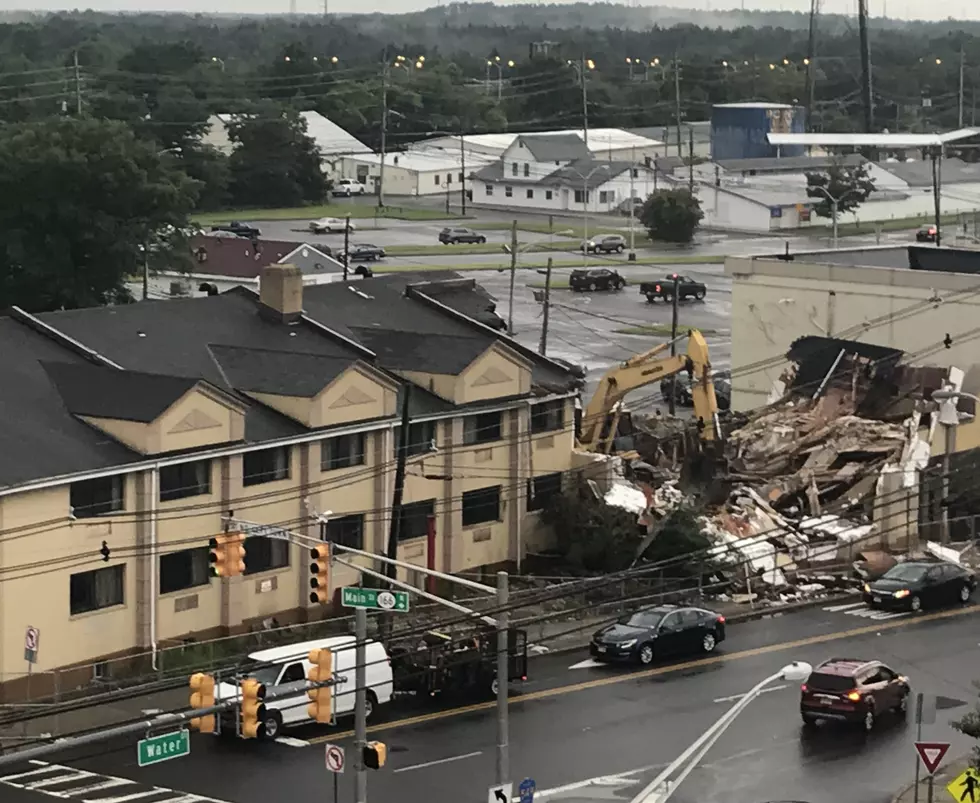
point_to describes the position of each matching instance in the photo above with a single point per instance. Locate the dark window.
(415, 519)
(97, 496)
(530, 193)
(579, 195)
(875, 677)
(185, 479)
(481, 505)
(671, 622)
(436, 177)
(513, 168)
(527, 169)
(604, 197)
(460, 178)
(636, 173)
(449, 178)
(343, 451)
(548, 195)
(540, 490)
(509, 192)
(347, 531)
(489, 189)
(643, 619)
(293, 674)
(263, 554)
(265, 465)
(100, 588)
(821, 682)
(548, 416)
(689, 619)
(482, 428)
(421, 437)
(184, 569)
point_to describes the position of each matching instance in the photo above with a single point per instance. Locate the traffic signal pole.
(503, 673)
(360, 705)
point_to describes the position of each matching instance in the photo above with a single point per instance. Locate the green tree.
(849, 185)
(274, 162)
(591, 535)
(969, 725)
(672, 215)
(79, 198)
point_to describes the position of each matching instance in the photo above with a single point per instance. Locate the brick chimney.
(281, 292)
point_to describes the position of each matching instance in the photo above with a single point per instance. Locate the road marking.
(601, 780)
(588, 663)
(289, 741)
(733, 697)
(439, 761)
(849, 606)
(629, 677)
(861, 610)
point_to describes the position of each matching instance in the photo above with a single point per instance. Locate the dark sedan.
(659, 632)
(914, 585)
(364, 252)
(927, 234)
(582, 280)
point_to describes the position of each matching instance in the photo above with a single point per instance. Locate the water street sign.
(931, 754)
(526, 790)
(32, 639)
(374, 599)
(163, 748)
(253, 530)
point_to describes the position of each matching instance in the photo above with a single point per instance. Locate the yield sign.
(931, 754)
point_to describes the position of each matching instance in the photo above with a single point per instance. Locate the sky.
(905, 9)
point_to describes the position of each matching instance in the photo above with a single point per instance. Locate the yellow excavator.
(600, 419)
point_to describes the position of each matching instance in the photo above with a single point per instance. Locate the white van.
(281, 669)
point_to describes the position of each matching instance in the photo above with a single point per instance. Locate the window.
(671, 623)
(185, 479)
(527, 170)
(689, 619)
(415, 519)
(343, 451)
(449, 178)
(263, 554)
(636, 172)
(436, 177)
(513, 169)
(548, 194)
(96, 496)
(421, 437)
(530, 193)
(460, 178)
(293, 674)
(347, 531)
(540, 490)
(482, 428)
(489, 188)
(265, 465)
(100, 588)
(184, 569)
(548, 416)
(481, 505)
(509, 192)
(579, 195)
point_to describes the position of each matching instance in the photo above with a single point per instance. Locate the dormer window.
(513, 169)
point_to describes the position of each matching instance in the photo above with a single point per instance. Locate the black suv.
(364, 252)
(595, 279)
(853, 690)
(239, 228)
(605, 244)
(452, 236)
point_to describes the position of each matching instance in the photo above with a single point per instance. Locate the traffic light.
(227, 554)
(375, 754)
(321, 709)
(253, 710)
(320, 574)
(202, 696)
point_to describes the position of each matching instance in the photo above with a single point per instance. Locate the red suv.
(853, 690)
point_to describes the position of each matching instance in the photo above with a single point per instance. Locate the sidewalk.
(948, 772)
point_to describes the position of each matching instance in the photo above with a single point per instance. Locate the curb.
(737, 618)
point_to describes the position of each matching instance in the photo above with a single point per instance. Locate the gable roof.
(330, 138)
(236, 257)
(554, 147)
(280, 373)
(587, 172)
(428, 353)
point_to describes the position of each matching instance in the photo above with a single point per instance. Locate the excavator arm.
(601, 416)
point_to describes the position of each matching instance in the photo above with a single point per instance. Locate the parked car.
(927, 234)
(451, 236)
(686, 288)
(658, 632)
(239, 228)
(636, 204)
(852, 690)
(593, 279)
(914, 585)
(329, 225)
(605, 244)
(682, 389)
(346, 187)
(363, 252)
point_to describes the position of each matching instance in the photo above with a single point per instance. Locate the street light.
(834, 206)
(219, 62)
(500, 73)
(662, 787)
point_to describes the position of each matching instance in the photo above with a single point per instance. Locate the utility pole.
(394, 530)
(346, 246)
(867, 97)
(513, 277)
(672, 401)
(585, 104)
(936, 190)
(503, 674)
(677, 102)
(146, 272)
(962, 70)
(543, 348)
(690, 160)
(384, 132)
(462, 172)
(811, 54)
(632, 254)
(360, 704)
(78, 84)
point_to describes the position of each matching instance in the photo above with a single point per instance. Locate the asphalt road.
(587, 733)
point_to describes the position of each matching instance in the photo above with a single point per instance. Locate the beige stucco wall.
(494, 374)
(775, 302)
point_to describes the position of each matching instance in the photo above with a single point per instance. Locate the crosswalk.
(861, 610)
(81, 786)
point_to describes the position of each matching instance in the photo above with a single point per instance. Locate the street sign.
(32, 639)
(501, 793)
(965, 788)
(931, 754)
(163, 748)
(335, 758)
(526, 790)
(374, 599)
(925, 709)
